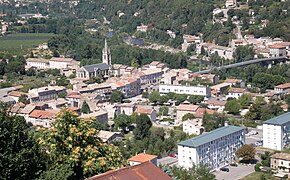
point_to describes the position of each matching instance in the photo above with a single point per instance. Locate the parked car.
(234, 164)
(225, 169)
(252, 132)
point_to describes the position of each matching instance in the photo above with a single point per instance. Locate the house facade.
(214, 149)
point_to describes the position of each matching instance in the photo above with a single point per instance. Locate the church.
(97, 70)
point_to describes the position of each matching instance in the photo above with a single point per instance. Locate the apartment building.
(214, 149)
(180, 89)
(276, 132)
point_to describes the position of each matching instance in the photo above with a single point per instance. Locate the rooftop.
(61, 59)
(144, 110)
(210, 136)
(284, 156)
(283, 86)
(279, 120)
(142, 158)
(37, 60)
(105, 135)
(144, 171)
(94, 67)
(237, 90)
(187, 107)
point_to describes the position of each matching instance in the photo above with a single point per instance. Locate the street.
(235, 172)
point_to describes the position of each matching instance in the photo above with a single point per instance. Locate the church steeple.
(106, 54)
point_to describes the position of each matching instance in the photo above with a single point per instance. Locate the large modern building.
(276, 132)
(214, 149)
(180, 89)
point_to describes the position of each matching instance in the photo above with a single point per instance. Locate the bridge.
(265, 61)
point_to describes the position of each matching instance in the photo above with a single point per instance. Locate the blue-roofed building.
(214, 149)
(276, 132)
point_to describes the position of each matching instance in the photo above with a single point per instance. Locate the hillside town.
(182, 108)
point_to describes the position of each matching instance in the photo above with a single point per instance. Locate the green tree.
(195, 172)
(71, 140)
(143, 124)
(163, 110)
(31, 72)
(61, 95)
(20, 157)
(23, 99)
(145, 94)
(188, 116)
(246, 153)
(194, 99)
(163, 99)
(244, 53)
(233, 106)
(213, 121)
(122, 121)
(154, 97)
(85, 108)
(245, 100)
(116, 96)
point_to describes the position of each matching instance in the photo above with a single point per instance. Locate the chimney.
(226, 123)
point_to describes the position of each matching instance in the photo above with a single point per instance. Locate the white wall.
(190, 90)
(272, 136)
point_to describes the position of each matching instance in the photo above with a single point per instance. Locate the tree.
(163, 99)
(31, 72)
(154, 97)
(246, 153)
(213, 121)
(195, 99)
(85, 108)
(122, 121)
(61, 95)
(23, 99)
(200, 172)
(188, 116)
(163, 110)
(72, 141)
(245, 100)
(244, 53)
(143, 124)
(20, 157)
(116, 96)
(145, 94)
(233, 106)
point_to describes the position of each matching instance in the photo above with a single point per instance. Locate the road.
(235, 172)
(245, 63)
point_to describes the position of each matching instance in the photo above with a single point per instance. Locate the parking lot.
(235, 173)
(252, 139)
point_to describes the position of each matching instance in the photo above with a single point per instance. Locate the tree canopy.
(71, 140)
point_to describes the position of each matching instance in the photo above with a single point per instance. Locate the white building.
(142, 158)
(282, 87)
(235, 93)
(214, 149)
(190, 90)
(277, 51)
(63, 63)
(38, 63)
(192, 127)
(276, 132)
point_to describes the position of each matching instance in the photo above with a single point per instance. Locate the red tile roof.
(42, 114)
(187, 107)
(237, 90)
(16, 93)
(144, 110)
(200, 112)
(283, 86)
(277, 47)
(144, 171)
(142, 158)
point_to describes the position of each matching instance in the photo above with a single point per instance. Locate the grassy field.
(20, 43)
(258, 175)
